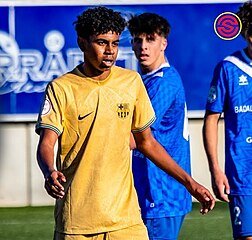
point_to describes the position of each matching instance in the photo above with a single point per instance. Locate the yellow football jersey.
(93, 120)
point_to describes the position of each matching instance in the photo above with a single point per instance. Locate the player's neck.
(89, 71)
(154, 66)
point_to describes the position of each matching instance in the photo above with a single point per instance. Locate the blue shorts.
(166, 228)
(241, 215)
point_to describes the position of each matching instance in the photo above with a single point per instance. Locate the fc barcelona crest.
(123, 110)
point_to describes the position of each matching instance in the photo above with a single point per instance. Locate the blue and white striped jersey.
(231, 93)
(159, 194)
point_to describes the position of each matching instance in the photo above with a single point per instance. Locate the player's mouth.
(143, 57)
(108, 62)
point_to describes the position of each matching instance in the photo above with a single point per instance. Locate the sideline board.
(38, 43)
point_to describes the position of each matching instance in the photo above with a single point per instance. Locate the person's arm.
(148, 145)
(45, 158)
(132, 142)
(210, 137)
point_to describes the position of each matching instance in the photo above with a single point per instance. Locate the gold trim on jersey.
(43, 125)
(145, 126)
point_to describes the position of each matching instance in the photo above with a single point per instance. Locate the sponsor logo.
(123, 110)
(227, 26)
(212, 95)
(243, 109)
(249, 139)
(84, 116)
(46, 108)
(243, 80)
(27, 70)
(30, 70)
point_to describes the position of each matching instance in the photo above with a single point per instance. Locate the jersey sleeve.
(143, 115)
(217, 92)
(51, 114)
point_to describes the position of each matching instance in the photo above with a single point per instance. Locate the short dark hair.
(99, 20)
(245, 15)
(149, 23)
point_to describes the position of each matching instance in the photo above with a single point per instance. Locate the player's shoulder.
(117, 70)
(171, 71)
(230, 60)
(62, 80)
(123, 75)
(234, 61)
(61, 83)
(172, 75)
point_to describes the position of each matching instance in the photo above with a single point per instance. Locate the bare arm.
(148, 145)
(210, 137)
(132, 142)
(45, 158)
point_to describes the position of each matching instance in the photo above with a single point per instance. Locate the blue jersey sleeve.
(217, 92)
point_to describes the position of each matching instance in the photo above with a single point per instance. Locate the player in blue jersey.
(164, 202)
(231, 93)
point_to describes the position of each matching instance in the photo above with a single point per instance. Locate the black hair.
(245, 15)
(99, 20)
(149, 23)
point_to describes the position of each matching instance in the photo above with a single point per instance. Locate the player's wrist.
(48, 174)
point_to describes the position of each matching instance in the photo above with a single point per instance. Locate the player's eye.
(115, 44)
(101, 43)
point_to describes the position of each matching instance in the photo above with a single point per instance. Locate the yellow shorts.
(136, 232)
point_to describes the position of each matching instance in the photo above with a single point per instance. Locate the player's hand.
(53, 184)
(220, 185)
(203, 196)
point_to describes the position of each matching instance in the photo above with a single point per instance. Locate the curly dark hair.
(245, 15)
(99, 20)
(149, 23)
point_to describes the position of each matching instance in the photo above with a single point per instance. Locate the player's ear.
(81, 43)
(164, 44)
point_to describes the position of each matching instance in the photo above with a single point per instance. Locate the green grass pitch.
(36, 223)
(215, 225)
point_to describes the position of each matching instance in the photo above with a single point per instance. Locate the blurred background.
(38, 43)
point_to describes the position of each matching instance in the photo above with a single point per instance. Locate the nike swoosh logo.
(82, 117)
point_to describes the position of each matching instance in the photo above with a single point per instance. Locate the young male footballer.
(91, 112)
(163, 200)
(231, 93)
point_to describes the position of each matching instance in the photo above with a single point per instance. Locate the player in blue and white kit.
(164, 202)
(231, 93)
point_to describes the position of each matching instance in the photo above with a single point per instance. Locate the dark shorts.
(164, 228)
(241, 215)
